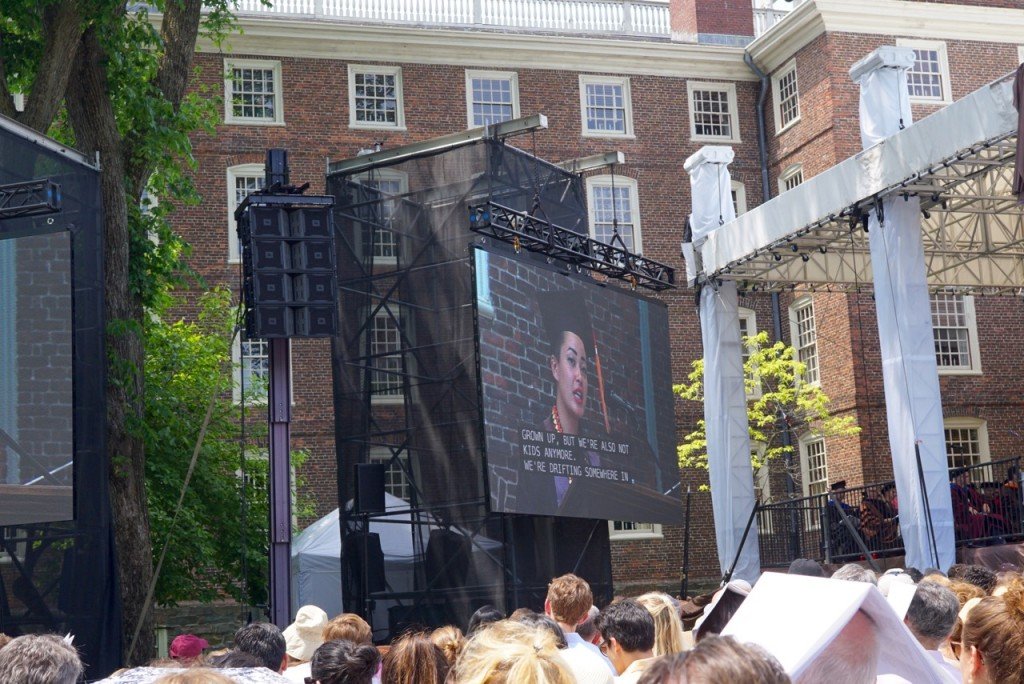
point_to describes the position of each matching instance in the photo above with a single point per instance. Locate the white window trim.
(627, 102)
(655, 532)
(396, 71)
(388, 399)
(791, 170)
(229, 116)
(984, 454)
(511, 76)
(972, 343)
(940, 48)
(741, 196)
(634, 205)
(403, 188)
(264, 455)
(750, 316)
(803, 442)
(233, 172)
(794, 334)
(383, 455)
(1020, 54)
(777, 97)
(236, 375)
(730, 89)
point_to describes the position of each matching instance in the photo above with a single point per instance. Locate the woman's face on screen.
(570, 373)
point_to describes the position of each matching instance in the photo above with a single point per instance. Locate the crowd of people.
(966, 625)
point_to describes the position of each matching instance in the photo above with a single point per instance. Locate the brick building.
(655, 81)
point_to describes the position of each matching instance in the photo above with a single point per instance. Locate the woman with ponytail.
(343, 662)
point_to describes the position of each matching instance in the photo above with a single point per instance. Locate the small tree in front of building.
(779, 400)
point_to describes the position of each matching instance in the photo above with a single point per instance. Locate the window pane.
(789, 102)
(252, 95)
(376, 100)
(255, 369)
(491, 100)
(612, 208)
(951, 332)
(606, 107)
(385, 338)
(711, 116)
(807, 341)
(924, 79)
(963, 447)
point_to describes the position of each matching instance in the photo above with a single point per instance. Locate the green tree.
(104, 79)
(781, 402)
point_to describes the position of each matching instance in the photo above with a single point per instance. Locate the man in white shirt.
(628, 631)
(568, 603)
(931, 617)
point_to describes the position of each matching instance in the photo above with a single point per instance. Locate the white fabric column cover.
(909, 373)
(725, 401)
(711, 190)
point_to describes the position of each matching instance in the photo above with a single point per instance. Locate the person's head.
(587, 629)
(979, 576)
(348, 627)
(806, 566)
(717, 660)
(509, 652)
(450, 640)
(932, 614)
(668, 628)
(569, 336)
(343, 662)
(305, 635)
(992, 641)
(628, 631)
(838, 490)
(568, 600)
(4, 639)
(483, 616)
(965, 591)
(195, 675)
(961, 476)
(889, 492)
(545, 623)
(915, 574)
(1003, 580)
(851, 572)
(851, 658)
(235, 658)
(265, 641)
(39, 659)
(414, 659)
(187, 647)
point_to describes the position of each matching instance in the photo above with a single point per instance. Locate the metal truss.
(30, 198)
(972, 229)
(523, 230)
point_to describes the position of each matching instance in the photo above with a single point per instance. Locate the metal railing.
(767, 17)
(987, 511)
(631, 17)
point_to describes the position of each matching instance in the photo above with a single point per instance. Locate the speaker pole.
(280, 485)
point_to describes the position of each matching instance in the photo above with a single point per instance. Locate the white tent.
(316, 558)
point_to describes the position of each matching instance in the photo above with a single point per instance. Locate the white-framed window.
(396, 482)
(605, 106)
(380, 234)
(491, 97)
(928, 79)
(251, 363)
(791, 177)
(955, 330)
(253, 92)
(256, 480)
(763, 495)
(386, 358)
(613, 205)
(375, 97)
(805, 336)
(813, 472)
(786, 96)
(624, 530)
(748, 328)
(739, 197)
(966, 441)
(713, 112)
(242, 180)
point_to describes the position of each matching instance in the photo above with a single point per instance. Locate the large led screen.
(576, 391)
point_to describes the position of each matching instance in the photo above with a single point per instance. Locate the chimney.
(716, 22)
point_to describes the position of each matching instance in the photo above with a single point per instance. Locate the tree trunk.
(92, 116)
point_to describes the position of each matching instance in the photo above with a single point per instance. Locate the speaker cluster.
(290, 272)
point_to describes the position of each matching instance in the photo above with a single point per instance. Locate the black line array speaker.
(370, 487)
(290, 273)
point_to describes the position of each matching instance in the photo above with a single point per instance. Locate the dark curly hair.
(344, 662)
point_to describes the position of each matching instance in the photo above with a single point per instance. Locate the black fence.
(848, 524)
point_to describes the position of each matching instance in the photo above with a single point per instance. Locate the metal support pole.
(280, 483)
(685, 583)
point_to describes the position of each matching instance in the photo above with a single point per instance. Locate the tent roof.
(959, 161)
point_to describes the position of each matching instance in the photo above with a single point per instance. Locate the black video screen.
(576, 395)
(36, 409)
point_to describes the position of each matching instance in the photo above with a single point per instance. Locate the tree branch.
(62, 31)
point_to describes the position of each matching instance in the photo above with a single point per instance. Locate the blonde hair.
(348, 627)
(509, 652)
(450, 640)
(668, 628)
(195, 676)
